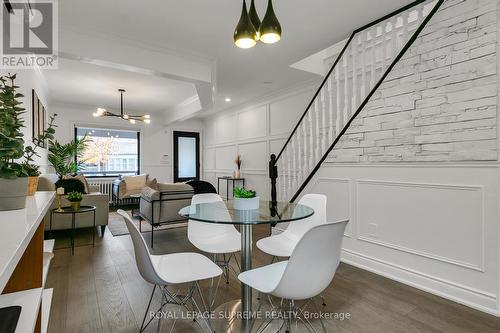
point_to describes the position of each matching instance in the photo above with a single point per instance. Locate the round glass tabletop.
(70, 210)
(224, 213)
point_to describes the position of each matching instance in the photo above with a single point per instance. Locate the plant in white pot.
(13, 178)
(245, 199)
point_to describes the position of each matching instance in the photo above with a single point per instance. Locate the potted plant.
(13, 180)
(75, 199)
(28, 167)
(63, 157)
(245, 199)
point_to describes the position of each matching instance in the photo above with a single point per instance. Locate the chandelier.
(250, 29)
(146, 118)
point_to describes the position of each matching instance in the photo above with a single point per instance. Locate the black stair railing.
(273, 170)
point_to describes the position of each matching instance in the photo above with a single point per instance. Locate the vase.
(32, 185)
(75, 205)
(237, 174)
(13, 193)
(246, 203)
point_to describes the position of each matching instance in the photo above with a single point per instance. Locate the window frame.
(113, 129)
(197, 136)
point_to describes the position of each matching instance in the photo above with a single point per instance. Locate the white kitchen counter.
(17, 228)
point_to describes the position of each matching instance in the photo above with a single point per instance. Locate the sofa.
(161, 205)
(93, 198)
(123, 194)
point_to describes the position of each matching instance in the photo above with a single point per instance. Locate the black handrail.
(396, 12)
(365, 101)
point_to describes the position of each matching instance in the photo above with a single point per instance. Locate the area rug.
(117, 226)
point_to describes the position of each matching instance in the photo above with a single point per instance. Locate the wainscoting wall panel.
(432, 226)
(339, 195)
(209, 158)
(285, 113)
(226, 129)
(255, 156)
(254, 132)
(224, 157)
(399, 215)
(252, 123)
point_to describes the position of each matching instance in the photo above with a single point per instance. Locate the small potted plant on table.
(245, 199)
(75, 199)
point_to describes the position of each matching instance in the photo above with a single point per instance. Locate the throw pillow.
(81, 178)
(70, 185)
(153, 183)
(133, 183)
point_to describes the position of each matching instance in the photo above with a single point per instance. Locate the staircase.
(367, 58)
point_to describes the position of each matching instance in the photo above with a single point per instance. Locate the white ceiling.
(204, 28)
(87, 84)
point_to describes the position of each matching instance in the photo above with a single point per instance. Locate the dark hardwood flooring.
(100, 290)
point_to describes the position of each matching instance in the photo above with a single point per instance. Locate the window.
(109, 152)
(186, 156)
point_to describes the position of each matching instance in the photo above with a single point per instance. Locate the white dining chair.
(171, 269)
(223, 241)
(307, 273)
(283, 244)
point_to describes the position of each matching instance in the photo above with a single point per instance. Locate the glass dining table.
(268, 213)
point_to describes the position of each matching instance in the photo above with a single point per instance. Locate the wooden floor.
(100, 290)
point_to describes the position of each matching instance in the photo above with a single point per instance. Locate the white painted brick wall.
(440, 101)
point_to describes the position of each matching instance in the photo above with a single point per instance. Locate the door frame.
(190, 134)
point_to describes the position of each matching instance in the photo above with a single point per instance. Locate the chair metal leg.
(226, 267)
(320, 319)
(161, 309)
(208, 309)
(147, 310)
(152, 230)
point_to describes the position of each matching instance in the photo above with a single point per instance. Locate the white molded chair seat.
(277, 245)
(213, 237)
(282, 245)
(227, 243)
(309, 270)
(272, 273)
(184, 267)
(169, 269)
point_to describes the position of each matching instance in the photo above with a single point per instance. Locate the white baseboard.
(475, 299)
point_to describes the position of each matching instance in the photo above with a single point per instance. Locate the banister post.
(273, 174)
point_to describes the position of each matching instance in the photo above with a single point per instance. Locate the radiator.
(106, 187)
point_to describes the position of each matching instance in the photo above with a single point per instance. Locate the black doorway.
(186, 156)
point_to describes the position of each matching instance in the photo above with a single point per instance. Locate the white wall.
(156, 147)
(28, 79)
(432, 226)
(255, 132)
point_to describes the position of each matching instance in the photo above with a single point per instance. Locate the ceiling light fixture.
(254, 18)
(130, 118)
(227, 99)
(250, 29)
(270, 28)
(245, 34)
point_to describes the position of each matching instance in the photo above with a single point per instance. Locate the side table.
(69, 210)
(228, 179)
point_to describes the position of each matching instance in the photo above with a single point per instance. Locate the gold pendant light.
(245, 34)
(270, 28)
